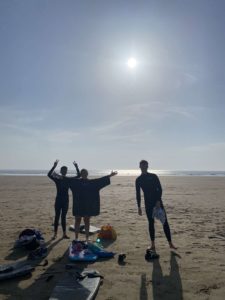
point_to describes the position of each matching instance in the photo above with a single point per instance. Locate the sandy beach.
(195, 207)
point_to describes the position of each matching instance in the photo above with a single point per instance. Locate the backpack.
(30, 239)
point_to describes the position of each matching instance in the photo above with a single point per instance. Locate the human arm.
(158, 192)
(77, 169)
(113, 173)
(52, 169)
(103, 181)
(138, 196)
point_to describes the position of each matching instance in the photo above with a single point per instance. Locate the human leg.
(166, 229)
(152, 232)
(87, 226)
(56, 222)
(77, 226)
(151, 228)
(63, 219)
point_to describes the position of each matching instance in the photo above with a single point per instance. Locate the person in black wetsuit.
(62, 196)
(150, 185)
(86, 198)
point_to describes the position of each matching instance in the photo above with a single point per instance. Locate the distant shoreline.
(120, 173)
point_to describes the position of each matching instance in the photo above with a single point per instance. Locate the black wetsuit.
(151, 187)
(62, 198)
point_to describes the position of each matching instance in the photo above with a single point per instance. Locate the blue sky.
(66, 91)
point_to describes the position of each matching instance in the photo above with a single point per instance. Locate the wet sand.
(195, 208)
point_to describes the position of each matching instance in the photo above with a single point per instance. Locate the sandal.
(150, 254)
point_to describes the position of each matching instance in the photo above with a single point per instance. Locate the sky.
(67, 93)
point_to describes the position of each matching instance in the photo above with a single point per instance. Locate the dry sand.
(195, 208)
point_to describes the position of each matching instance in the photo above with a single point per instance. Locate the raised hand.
(75, 164)
(56, 163)
(113, 173)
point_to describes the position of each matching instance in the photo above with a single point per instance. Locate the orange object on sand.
(107, 232)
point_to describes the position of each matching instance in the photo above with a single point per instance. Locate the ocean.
(134, 172)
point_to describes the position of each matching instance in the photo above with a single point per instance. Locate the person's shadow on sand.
(168, 287)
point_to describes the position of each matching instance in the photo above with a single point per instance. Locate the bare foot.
(54, 237)
(66, 236)
(152, 248)
(172, 246)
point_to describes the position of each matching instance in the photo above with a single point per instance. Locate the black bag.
(29, 238)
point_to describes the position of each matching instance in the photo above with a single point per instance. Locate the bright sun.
(132, 63)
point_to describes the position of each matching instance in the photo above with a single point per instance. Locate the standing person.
(62, 196)
(150, 185)
(86, 199)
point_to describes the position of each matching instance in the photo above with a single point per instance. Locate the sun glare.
(132, 63)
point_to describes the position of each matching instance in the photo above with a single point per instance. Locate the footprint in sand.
(207, 289)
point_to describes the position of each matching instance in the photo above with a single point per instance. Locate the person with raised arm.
(150, 185)
(86, 198)
(62, 196)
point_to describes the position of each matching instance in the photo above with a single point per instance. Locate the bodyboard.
(99, 251)
(13, 270)
(92, 229)
(73, 288)
(82, 254)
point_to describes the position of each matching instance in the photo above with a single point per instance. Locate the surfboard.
(92, 229)
(99, 251)
(77, 286)
(78, 251)
(13, 270)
